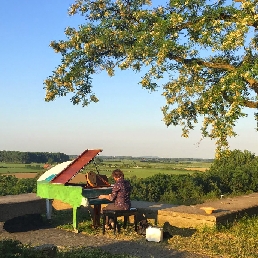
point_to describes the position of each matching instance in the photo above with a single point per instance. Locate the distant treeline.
(155, 159)
(32, 157)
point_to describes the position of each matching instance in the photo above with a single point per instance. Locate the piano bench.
(119, 213)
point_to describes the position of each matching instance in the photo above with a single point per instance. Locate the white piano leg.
(75, 220)
(49, 208)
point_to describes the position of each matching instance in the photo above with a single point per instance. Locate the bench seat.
(119, 213)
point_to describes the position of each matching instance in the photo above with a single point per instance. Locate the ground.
(30, 230)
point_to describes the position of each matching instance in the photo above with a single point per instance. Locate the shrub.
(7, 184)
(13, 248)
(10, 185)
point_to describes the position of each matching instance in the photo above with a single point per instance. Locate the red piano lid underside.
(75, 166)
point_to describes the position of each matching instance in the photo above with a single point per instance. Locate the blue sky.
(126, 121)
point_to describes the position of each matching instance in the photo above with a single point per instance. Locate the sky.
(127, 121)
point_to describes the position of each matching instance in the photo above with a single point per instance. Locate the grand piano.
(55, 184)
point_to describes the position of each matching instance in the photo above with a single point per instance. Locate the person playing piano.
(120, 196)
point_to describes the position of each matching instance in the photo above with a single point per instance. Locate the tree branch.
(251, 104)
(202, 63)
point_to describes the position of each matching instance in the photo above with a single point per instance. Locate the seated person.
(120, 195)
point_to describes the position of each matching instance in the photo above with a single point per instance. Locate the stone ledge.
(226, 210)
(12, 206)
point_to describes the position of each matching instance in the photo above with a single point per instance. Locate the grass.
(144, 169)
(12, 248)
(6, 168)
(236, 240)
(129, 167)
(62, 219)
(148, 172)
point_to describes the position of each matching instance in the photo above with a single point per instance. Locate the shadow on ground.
(172, 230)
(25, 223)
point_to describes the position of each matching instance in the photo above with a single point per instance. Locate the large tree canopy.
(205, 50)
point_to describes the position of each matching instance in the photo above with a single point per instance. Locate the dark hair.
(117, 173)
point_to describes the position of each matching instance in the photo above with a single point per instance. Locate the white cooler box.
(154, 234)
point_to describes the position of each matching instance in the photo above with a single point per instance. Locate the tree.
(234, 172)
(206, 50)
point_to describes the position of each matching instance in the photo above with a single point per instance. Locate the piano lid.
(75, 166)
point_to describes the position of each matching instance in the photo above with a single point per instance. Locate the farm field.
(147, 172)
(129, 167)
(22, 175)
(6, 168)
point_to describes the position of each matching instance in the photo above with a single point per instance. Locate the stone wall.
(12, 206)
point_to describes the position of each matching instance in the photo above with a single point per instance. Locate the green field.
(129, 167)
(20, 168)
(146, 169)
(146, 172)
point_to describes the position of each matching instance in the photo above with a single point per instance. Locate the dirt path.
(61, 238)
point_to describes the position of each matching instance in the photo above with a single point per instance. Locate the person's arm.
(115, 191)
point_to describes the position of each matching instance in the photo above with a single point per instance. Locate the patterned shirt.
(121, 194)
